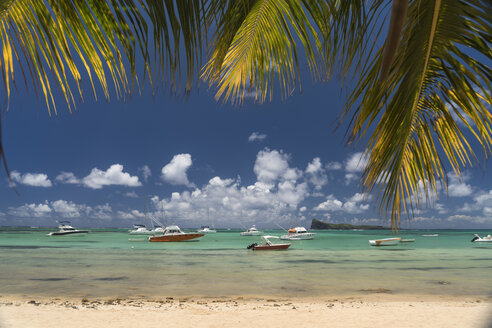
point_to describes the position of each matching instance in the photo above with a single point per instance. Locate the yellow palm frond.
(432, 78)
(255, 44)
(53, 43)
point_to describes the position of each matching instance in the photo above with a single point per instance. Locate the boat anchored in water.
(478, 239)
(206, 230)
(298, 233)
(385, 241)
(66, 229)
(174, 233)
(251, 232)
(268, 245)
(140, 229)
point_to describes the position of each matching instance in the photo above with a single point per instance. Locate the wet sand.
(374, 309)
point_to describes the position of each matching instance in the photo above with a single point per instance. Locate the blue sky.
(281, 163)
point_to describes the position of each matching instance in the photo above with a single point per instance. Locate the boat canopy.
(173, 228)
(297, 230)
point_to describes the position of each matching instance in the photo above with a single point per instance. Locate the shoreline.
(248, 311)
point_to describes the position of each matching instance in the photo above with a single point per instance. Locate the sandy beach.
(367, 311)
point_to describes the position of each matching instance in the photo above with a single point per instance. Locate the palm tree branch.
(430, 76)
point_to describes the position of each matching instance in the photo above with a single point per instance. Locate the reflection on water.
(335, 263)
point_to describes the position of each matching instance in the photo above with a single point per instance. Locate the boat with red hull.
(173, 233)
(268, 245)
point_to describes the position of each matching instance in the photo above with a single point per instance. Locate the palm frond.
(55, 43)
(255, 42)
(432, 76)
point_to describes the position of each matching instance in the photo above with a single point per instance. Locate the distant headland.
(320, 225)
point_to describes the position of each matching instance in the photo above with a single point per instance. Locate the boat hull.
(271, 247)
(303, 236)
(175, 238)
(385, 242)
(58, 233)
(250, 233)
(482, 241)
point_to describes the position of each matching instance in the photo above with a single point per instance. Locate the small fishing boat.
(478, 239)
(407, 240)
(431, 235)
(206, 230)
(268, 245)
(298, 233)
(385, 242)
(140, 229)
(251, 232)
(174, 233)
(66, 229)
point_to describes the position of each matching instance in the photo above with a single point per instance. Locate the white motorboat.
(385, 241)
(66, 229)
(251, 232)
(174, 233)
(478, 239)
(431, 235)
(157, 226)
(206, 230)
(140, 229)
(298, 233)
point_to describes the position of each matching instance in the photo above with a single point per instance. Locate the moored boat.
(268, 245)
(140, 229)
(385, 241)
(478, 239)
(66, 229)
(174, 233)
(298, 233)
(251, 232)
(206, 230)
(407, 240)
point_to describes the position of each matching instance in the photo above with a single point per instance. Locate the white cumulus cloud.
(316, 173)
(31, 179)
(257, 136)
(146, 172)
(114, 175)
(354, 166)
(175, 172)
(68, 209)
(334, 166)
(457, 187)
(30, 210)
(352, 205)
(272, 166)
(67, 177)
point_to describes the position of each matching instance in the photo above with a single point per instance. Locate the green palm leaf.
(432, 78)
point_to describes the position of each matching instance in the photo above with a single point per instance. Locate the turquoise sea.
(111, 263)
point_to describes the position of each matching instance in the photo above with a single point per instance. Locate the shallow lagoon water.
(112, 263)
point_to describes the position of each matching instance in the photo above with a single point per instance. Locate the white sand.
(366, 311)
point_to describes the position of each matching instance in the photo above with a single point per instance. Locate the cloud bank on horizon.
(281, 194)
